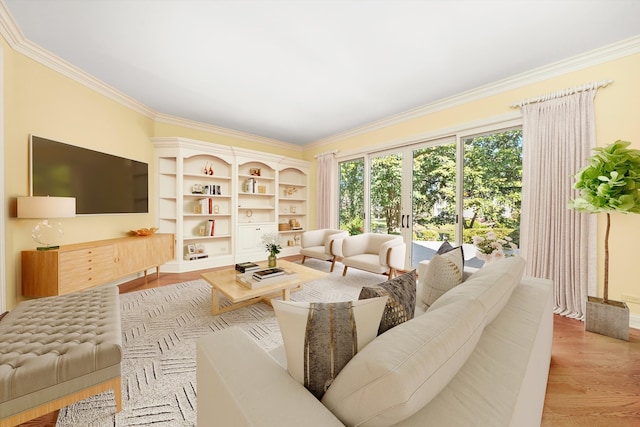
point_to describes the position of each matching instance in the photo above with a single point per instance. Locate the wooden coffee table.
(224, 281)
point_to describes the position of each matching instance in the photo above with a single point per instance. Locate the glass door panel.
(492, 188)
(351, 203)
(433, 200)
(385, 209)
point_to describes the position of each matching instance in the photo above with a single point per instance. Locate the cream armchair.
(324, 244)
(377, 253)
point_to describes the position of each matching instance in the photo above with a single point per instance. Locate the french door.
(443, 190)
(413, 194)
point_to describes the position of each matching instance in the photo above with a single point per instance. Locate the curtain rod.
(563, 92)
(325, 153)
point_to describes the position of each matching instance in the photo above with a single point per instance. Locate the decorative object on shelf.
(191, 249)
(47, 233)
(492, 247)
(292, 209)
(610, 183)
(216, 209)
(272, 246)
(202, 230)
(284, 226)
(262, 189)
(295, 225)
(255, 171)
(208, 169)
(290, 190)
(144, 231)
(296, 239)
(196, 189)
(250, 185)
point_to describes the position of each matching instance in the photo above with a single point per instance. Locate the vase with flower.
(272, 246)
(492, 247)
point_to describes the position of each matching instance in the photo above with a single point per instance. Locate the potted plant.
(609, 183)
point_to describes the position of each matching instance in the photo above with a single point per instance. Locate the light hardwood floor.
(594, 381)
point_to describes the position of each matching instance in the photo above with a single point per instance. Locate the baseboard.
(634, 321)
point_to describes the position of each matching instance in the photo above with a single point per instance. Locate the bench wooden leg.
(303, 258)
(344, 272)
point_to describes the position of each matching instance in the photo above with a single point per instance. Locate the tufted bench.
(58, 350)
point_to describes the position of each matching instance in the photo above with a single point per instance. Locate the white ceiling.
(300, 71)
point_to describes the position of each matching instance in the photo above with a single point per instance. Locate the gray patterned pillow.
(444, 272)
(401, 304)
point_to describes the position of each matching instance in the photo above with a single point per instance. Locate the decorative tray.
(144, 231)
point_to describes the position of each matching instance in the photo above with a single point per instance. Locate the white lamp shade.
(46, 207)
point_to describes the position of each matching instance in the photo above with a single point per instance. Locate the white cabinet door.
(250, 247)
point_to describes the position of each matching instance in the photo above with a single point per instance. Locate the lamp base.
(47, 248)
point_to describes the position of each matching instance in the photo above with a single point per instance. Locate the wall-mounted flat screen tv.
(100, 182)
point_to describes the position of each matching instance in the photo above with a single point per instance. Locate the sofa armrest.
(392, 253)
(333, 243)
(238, 383)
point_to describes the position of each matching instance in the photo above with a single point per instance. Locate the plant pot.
(611, 319)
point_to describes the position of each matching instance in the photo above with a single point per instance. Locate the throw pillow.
(444, 272)
(445, 247)
(320, 338)
(401, 304)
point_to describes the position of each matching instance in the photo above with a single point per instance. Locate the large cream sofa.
(479, 356)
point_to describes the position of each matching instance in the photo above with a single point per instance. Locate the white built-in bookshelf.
(219, 201)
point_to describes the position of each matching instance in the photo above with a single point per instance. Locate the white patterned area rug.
(160, 327)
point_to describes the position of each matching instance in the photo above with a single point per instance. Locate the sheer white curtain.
(326, 188)
(558, 243)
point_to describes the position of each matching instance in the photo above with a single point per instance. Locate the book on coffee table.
(250, 282)
(267, 273)
(245, 267)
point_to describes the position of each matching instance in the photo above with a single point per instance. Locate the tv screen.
(100, 182)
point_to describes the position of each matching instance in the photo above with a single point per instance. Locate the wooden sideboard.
(84, 265)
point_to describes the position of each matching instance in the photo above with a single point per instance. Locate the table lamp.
(48, 233)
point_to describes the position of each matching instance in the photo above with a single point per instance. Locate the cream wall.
(616, 118)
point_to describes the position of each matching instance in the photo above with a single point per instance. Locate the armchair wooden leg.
(392, 272)
(344, 272)
(303, 258)
(333, 264)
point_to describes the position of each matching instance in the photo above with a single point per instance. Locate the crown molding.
(601, 55)
(218, 130)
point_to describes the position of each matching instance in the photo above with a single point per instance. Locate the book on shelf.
(245, 267)
(206, 205)
(247, 280)
(267, 273)
(191, 257)
(211, 227)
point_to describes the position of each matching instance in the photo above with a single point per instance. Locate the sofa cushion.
(401, 370)
(443, 273)
(492, 286)
(347, 327)
(401, 304)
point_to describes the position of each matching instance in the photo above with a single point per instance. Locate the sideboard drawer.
(85, 268)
